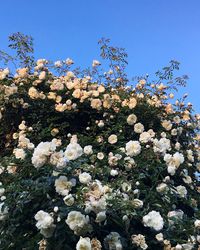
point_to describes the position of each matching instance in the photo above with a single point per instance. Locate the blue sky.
(152, 31)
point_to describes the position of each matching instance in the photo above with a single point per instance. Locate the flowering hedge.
(92, 163)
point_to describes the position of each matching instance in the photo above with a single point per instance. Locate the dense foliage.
(90, 161)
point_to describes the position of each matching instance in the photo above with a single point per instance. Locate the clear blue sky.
(152, 31)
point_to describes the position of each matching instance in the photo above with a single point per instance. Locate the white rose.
(161, 145)
(73, 151)
(96, 103)
(154, 220)
(100, 156)
(85, 178)
(138, 128)
(112, 139)
(167, 125)
(171, 170)
(173, 161)
(19, 153)
(132, 103)
(42, 75)
(101, 89)
(77, 221)
(177, 119)
(174, 131)
(145, 137)
(101, 124)
(133, 148)
(178, 159)
(177, 146)
(42, 152)
(113, 172)
(58, 160)
(44, 220)
(88, 150)
(159, 237)
(62, 185)
(131, 119)
(197, 224)
(77, 93)
(84, 244)
(182, 191)
(139, 240)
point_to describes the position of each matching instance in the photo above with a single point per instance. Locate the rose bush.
(89, 161)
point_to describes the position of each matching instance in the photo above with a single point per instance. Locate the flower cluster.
(87, 165)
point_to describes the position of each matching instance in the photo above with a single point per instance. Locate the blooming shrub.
(90, 162)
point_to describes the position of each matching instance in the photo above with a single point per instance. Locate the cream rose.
(112, 139)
